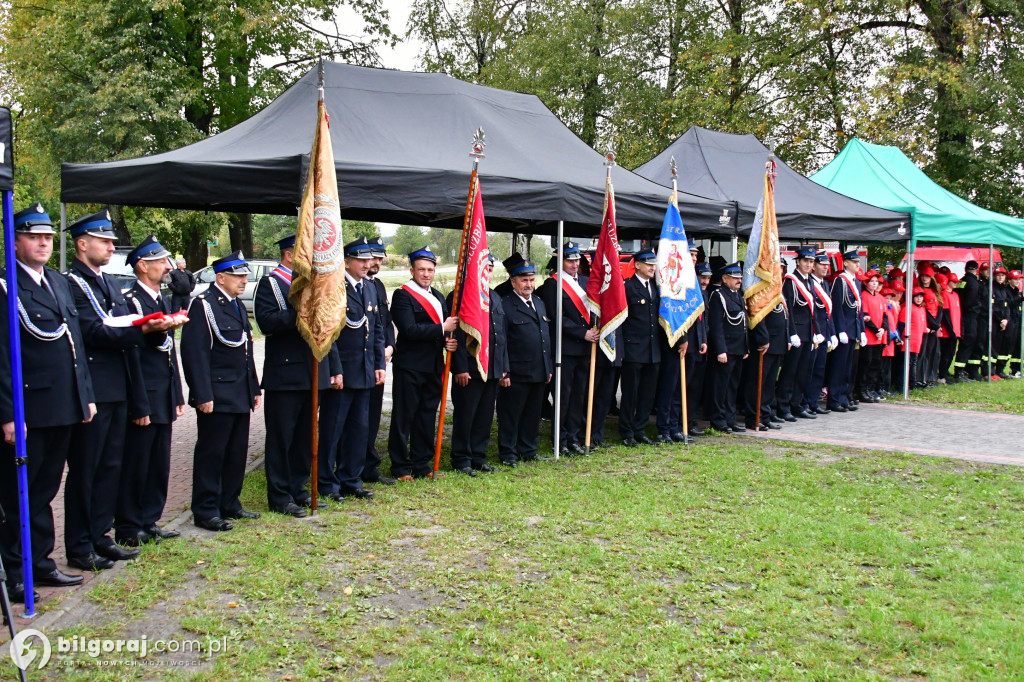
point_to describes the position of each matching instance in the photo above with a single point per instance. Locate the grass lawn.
(997, 396)
(734, 559)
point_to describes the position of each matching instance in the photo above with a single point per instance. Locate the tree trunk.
(948, 27)
(199, 113)
(737, 60)
(592, 95)
(195, 250)
(124, 237)
(240, 229)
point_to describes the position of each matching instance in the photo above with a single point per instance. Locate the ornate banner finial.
(672, 166)
(609, 156)
(479, 142)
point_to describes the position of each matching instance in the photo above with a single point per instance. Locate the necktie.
(359, 290)
(650, 292)
(529, 304)
(239, 309)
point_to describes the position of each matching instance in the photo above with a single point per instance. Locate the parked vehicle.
(954, 257)
(257, 268)
(119, 269)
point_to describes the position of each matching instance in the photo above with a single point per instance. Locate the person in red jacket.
(875, 336)
(918, 327)
(892, 317)
(949, 328)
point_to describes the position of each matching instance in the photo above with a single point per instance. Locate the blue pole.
(20, 454)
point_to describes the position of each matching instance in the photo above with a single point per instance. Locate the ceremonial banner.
(606, 293)
(762, 272)
(681, 299)
(318, 282)
(475, 298)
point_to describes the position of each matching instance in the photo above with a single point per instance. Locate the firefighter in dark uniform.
(58, 394)
(423, 323)
(216, 354)
(769, 338)
(694, 346)
(1001, 304)
(577, 340)
(528, 341)
(1016, 303)
(695, 374)
(505, 288)
(822, 294)
(473, 398)
(371, 469)
(156, 400)
(971, 303)
(796, 290)
(849, 325)
(727, 347)
(97, 448)
(345, 412)
(642, 350)
(288, 386)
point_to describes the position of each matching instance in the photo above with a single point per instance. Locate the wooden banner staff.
(314, 463)
(478, 153)
(760, 356)
(682, 356)
(609, 162)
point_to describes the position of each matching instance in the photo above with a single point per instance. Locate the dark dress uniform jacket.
(215, 371)
(801, 320)
(105, 345)
(497, 365)
(287, 360)
(420, 339)
(641, 327)
(574, 325)
(727, 323)
(155, 382)
(529, 340)
(361, 349)
(822, 319)
(57, 386)
(845, 315)
(774, 331)
(384, 312)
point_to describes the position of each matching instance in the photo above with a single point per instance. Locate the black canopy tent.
(401, 143)
(731, 167)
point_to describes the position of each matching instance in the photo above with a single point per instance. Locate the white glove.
(863, 339)
(832, 343)
(843, 338)
(795, 340)
(819, 339)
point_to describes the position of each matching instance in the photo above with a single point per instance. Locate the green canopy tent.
(886, 178)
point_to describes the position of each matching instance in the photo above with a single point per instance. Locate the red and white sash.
(425, 299)
(576, 294)
(848, 278)
(825, 298)
(801, 289)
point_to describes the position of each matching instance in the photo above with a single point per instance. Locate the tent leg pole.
(991, 279)
(1020, 365)
(735, 245)
(63, 241)
(908, 301)
(556, 417)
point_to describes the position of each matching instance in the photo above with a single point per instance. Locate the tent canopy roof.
(731, 168)
(401, 143)
(885, 177)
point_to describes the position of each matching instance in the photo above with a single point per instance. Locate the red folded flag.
(474, 311)
(606, 292)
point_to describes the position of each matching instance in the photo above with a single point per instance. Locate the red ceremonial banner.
(606, 292)
(475, 298)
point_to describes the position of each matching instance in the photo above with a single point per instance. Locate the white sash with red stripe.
(576, 294)
(848, 278)
(825, 298)
(801, 289)
(426, 298)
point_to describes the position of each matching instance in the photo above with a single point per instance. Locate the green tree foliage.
(353, 229)
(407, 239)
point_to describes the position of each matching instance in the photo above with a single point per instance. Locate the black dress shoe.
(215, 523)
(89, 562)
(363, 493)
(135, 539)
(804, 414)
(469, 471)
(644, 440)
(736, 428)
(821, 410)
(540, 458)
(115, 553)
(776, 419)
(837, 408)
(486, 468)
(162, 533)
(771, 425)
(511, 464)
(851, 408)
(242, 514)
(788, 417)
(290, 509)
(16, 593)
(665, 438)
(307, 502)
(577, 448)
(383, 480)
(629, 442)
(697, 431)
(57, 579)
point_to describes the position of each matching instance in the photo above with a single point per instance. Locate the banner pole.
(908, 301)
(17, 382)
(556, 416)
(760, 384)
(590, 396)
(991, 280)
(682, 390)
(477, 154)
(313, 470)
(63, 240)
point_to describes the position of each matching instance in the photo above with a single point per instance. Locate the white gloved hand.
(795, 341)
(843, 338)
(819, 339)
(833, 342)
(863, 339)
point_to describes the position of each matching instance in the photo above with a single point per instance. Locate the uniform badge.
(643, 302)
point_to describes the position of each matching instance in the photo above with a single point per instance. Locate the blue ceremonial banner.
(681, 298)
